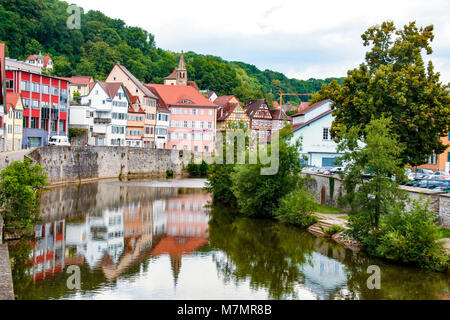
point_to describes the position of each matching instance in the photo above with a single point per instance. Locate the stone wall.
(444, 207)
(71, 164)
(328, 190)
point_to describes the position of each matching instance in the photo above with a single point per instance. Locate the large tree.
(394, 82)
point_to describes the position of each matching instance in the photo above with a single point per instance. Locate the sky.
(302, 39)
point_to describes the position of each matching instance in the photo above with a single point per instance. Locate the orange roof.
(11, 100)
(34, 57)
(306, 107)
(173, 75)
(223, 100)
(174, 95)
(170, 245)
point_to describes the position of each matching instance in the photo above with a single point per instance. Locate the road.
(13, 156)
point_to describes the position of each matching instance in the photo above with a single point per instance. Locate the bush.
(77, 132)
(260, 195)
(298, 208)
(198, 170)
(20, 190)
(169, 173)
(331, 231)
(409, 237)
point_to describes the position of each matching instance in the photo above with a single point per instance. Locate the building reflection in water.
(119, 229)
(183, 227)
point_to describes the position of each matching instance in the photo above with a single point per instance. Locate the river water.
(163, 240)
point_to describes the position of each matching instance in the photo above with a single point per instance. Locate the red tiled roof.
(133, 99)
(253, 106)
(278, 114)
(223, 116)
(173, 75)
(301, 125)
(223, 100)
(193, 84)
(34, 57)
(80, 80)
(173, 95)
(110, 88)
(11, 100)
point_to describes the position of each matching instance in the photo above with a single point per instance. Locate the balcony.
(102, 120)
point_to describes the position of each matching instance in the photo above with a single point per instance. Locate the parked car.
(439, 176)
(59, 141)
(419, 174)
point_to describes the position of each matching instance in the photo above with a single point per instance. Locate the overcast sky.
(302, 39)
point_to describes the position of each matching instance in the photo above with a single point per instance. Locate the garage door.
(329, 162)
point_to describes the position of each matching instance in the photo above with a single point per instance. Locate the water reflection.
(141, 241)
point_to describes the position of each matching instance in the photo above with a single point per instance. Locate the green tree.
(376, 154)
(259, 195)
(20, 190)
(394, 82)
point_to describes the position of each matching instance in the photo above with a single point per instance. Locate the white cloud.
(321, 36)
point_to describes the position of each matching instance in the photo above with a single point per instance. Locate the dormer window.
(186, 101)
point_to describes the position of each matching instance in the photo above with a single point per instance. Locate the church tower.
(179, 75)
(181, 72)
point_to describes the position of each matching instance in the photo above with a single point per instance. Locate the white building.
(313, 123)
(108, 118)
(99, 236)
(79, 116)
(162, 127)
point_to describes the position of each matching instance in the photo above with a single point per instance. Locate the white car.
(59, 141)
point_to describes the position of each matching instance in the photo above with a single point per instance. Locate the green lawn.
(326, 209)
(445, 233)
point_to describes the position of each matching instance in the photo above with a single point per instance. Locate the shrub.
(20, 190)
(260, 195)
(169, 173)
(331, 231)
(198, 170)
(298, 208)
(410, 237)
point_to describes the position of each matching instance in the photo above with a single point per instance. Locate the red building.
(45, 100)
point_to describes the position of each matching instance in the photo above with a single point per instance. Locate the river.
(163, 240)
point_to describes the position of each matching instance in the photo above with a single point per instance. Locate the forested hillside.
(32, 26)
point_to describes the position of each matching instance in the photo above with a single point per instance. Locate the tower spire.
(181, 72)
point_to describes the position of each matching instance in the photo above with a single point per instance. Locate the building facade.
(148, 100)
(135, 123)
(38, 60)
(312, 125)
(13, 122)
(45, 101)
(192, 117)
(231, 114)
(260, 118)
(440, 162)
(80, 84)
(108, 119)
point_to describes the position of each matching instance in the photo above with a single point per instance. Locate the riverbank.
(6, 283)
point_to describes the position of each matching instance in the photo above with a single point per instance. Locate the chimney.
(228, 106)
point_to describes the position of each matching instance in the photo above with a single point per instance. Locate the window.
(24, 85)
(35, 104)
(55, 91)
(45, 89)
(194, 112)
(448, 157)
(432, 159)
(326, 134)
(25, 122)
(206, 149)
(9, 84)
(53, 125)
(209, 125)
(9, 128)
(44, 124)
(34, 122)
(26, 103)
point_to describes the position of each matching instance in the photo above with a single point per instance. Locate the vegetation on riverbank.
(20, 192)
(378, 216)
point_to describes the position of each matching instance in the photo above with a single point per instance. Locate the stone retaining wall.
(6, 284)
(70, 164)
(328, 190)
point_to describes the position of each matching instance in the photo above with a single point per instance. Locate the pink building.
(192, 119)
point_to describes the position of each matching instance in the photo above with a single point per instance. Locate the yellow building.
(13, 122)
(231, 114)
